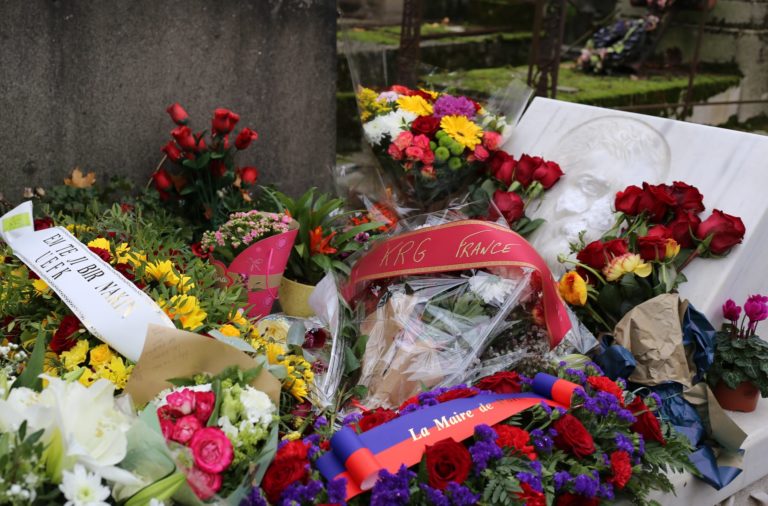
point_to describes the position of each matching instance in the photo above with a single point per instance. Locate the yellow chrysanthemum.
(462, 130)
(75, 356)
(186, 309)
(274, 351)
(273, 330)
(100, 355)
(122, 253)
(299, 389)
(625, 264)
(100, 243)
(115, 371)
(292, 436)
(431, 93)
(162, 271)
(229, 330)
(573, 288)
(40, 286)
(49, 364)
(87, 378)
(415, 104)
(370, 105)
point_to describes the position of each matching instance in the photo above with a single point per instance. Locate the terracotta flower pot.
(743, 398)
(294, 298)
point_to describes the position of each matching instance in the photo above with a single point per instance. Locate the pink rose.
(491, 141)
(204, 402)
(414, 152)
(395, 152)
(428, 157)
(167, 426)
(182, 401)
(185, 428)
(481, 154)
(211, 450)
(403, 140)
(203, 484)
(421, 141)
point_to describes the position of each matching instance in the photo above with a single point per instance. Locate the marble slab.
(602, 151)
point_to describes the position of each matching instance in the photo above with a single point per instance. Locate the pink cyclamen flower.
(731, 311)
(182, 401)
(185, 428)
(211, 450)
(756, 308)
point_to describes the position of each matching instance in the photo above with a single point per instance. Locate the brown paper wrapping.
(172, 353)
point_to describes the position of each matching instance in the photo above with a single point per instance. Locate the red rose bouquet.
(658, 232)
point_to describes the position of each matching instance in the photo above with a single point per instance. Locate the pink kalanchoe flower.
(756, 308)
(731, 311)
(182, 401)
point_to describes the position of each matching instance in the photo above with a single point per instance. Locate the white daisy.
(492, 289)
(82, 488)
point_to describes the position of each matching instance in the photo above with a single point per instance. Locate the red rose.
(504, 382)
(162, 180)
(688, 197)
(727, 231)
(101, 253)
(526, 166)
(248, 175)
(531, 497)
(683, 226)
(43, 223)
(573, 437)
(290, 466)
(509, 204)
(502, 167)
(223, 121)
(447, 461)
(616, 247)
(627, 201)
(621, 469)
(63, 339)
(375, 417)
(646, 423)
(655, 201)
(653, 246)
(593, 255)
(177, 114)
(516, 439)
(426, 125)
(569, 499)
(218, 168)
(456, 393)
(184, 138)
(548, 173)
(245, 138)
(172, 151)
(204, 402)
(605, 384)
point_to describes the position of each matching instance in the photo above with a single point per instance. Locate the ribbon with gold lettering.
(358, 458)
(465, 244)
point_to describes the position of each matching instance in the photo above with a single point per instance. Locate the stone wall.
(87, 83)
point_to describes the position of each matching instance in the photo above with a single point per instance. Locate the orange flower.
(320, 244)
(573, 288)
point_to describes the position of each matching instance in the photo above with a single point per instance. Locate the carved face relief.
(599, 157)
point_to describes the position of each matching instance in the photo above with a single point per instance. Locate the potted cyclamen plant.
(740, 370)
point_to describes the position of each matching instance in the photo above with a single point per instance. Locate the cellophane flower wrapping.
(439, 329)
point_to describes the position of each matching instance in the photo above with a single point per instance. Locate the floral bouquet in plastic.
(437, 295)
(252, 247)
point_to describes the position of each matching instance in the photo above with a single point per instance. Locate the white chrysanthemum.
(389, 124)
(82, 488)
(257, 405)
(160, 399)
(374, 130)
(492, 289)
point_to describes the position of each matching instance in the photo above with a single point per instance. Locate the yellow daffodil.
(75, 356)
(273, 329)
(40, 286)
(100, 243)
(100, 355)
(573, 288)
(415, 104)
(229, 330)
(186, 309)
(462, 130)
(625, 264)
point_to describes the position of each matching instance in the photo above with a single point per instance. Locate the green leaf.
(29, 378)
(216, 389)
(351, 363)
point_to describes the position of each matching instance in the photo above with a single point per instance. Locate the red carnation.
(245, 138)
(621, 469)
(223, 121)
(375, 417)
(503, 382)
(447, 461)
(177, 114)
(727, 231)
(531, 497)
(426, 125)
(605, 384)
(63, 338)
(290, 466)
(569, 499)
(516, 439)
(456, 393)
(646, 423)
(573, 437)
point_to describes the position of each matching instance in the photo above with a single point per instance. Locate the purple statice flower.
(483, 452)
(606, 491)
(485, 433)
(562, 364)
(581, 377)
(525, 380)
(586, 485)
(254, 498)
(640, 445)
(531, 479)
(625, 415)
(535, 465)
(622, 383)
(337, 491)
(594, 368)
(321, 421)
(561, 411)
(351, 418)
(655, 397)
(542, 441)
(392, 489)
(410, 408)
(435, 497)
(314, 441)
(298, 493)
(461, 495)
(606, 460)
(624, 443)
(546, 408)
(561, 479)
(448, 105)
